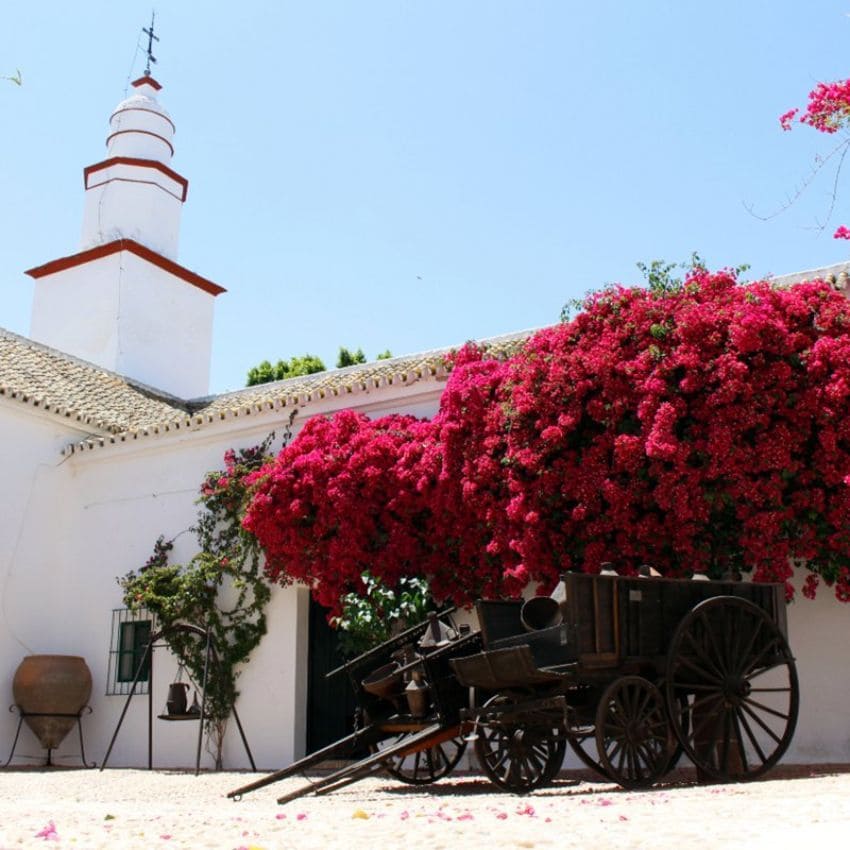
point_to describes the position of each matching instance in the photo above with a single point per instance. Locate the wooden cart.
(408, 717)
(631, 673)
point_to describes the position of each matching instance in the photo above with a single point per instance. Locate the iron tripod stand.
(146, 662)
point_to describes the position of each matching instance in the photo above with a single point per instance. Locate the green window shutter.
(133, 638)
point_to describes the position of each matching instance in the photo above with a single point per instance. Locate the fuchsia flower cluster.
(348, 494)
(828, 111)
(701, 430)
(828, 108)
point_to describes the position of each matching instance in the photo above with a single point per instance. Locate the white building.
(107, 431)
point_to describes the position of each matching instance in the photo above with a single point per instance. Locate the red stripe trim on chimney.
(146, 79)
(134, 248)
(143, 109)
(138, 182)
(142, 163)
(111, 136)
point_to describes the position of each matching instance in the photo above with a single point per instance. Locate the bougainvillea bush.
(702, 429)
(828, 111)
(348, 495)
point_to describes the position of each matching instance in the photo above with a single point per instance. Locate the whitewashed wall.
(33, 528)
(69, 527)
(77, 524)
(33, 484)
(817, 633)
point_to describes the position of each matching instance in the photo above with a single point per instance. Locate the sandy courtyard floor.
(120, 809)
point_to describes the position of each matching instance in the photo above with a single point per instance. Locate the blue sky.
(407, 174)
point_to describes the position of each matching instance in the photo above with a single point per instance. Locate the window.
(132, 642)
(131, 633)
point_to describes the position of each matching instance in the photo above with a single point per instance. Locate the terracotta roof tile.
(838, 275)
(342, 382)
(88, 395)
(297, 392)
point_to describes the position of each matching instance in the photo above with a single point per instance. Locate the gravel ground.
(140, 809)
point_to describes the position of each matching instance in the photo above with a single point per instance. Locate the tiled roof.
(119, 410)
(88, 396)
(838, 275)
(295, 393)
(342, 382)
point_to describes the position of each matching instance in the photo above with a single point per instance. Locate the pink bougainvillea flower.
(841, 233)
(829, 106)
(526, 809)
(787, 118)
(48, 833)
(810, 586)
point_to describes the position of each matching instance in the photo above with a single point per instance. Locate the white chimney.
(123, 302)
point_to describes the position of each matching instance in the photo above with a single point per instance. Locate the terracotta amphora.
(51, 685)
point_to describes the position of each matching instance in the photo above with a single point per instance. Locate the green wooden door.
(330, 702)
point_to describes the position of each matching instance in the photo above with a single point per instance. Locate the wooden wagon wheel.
(583, 744)
(516, 756)
(633, 733)
(579, 744)
(677, 750)
(739, 676)
(424, 766)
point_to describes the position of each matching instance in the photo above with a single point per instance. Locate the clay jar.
(51, 684)
(177, 699)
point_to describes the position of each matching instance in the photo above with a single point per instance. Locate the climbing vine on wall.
(222, 587)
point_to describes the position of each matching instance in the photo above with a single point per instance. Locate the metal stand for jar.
(22, 715)
(210, 655)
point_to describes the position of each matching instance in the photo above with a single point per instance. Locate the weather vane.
(151, 39)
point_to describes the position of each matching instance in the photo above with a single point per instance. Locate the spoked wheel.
(583, 744)
(516, 756)
(632, 732)
(739, 676)
(425, 766)
(558, 748)
(679, 705)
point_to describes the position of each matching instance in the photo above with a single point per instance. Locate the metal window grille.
(131, 632)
